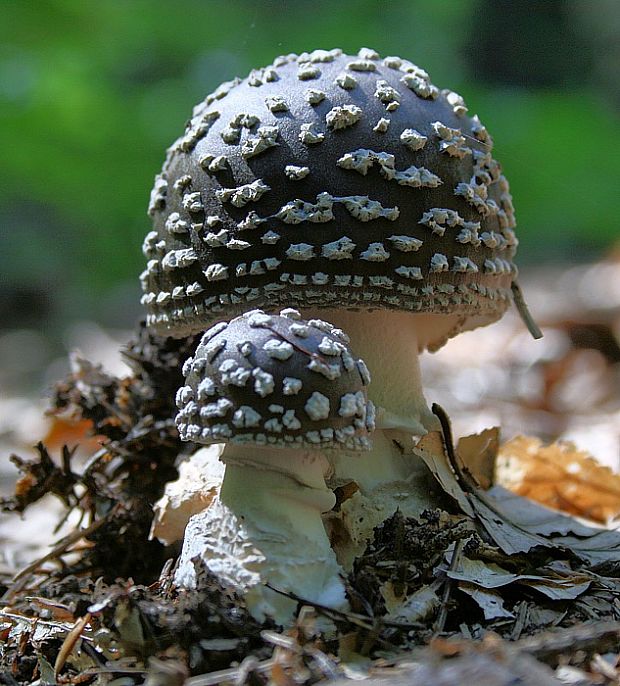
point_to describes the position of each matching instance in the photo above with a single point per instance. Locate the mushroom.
(344, 184)
(278, 391)
(350, 188)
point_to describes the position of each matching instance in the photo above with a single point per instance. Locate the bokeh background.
(92, 92)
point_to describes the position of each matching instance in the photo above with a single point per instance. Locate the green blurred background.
(92, 92)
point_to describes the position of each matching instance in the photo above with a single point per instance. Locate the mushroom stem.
(389, 342)
(267, 525)
(385, 463)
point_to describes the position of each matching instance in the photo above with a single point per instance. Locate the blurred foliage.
(92, 92)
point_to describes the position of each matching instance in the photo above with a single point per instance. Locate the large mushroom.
(278, 391)
(350, 188)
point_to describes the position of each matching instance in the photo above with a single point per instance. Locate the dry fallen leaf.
(508, 535)
(432, 451)
(416, 608)
(594, 544)
(65, 431)
(490, 602)
(478, 453)
(559, 476)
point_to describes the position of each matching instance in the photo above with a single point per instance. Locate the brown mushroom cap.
(275, 380)
(329, 180)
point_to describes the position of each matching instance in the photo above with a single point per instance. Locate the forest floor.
(496, 587)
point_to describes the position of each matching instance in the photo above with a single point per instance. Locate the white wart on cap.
(275, 380)
(333, 181)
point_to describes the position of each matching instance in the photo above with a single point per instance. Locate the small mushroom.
(280, 392)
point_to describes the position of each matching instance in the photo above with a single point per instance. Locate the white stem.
(266, 527)
(384, 463)
(388, 342)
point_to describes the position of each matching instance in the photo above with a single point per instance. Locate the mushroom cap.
(275, 380)
(329, 180)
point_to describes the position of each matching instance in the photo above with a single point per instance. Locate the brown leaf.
(432, 450)
(65, 431)
(559, 476)
(70, 642)
(478, 453)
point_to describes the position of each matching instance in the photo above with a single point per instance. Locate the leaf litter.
(495, 585)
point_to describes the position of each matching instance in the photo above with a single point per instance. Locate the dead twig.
(524, 313)
(357, 620)
(447, 589)
(69, 643)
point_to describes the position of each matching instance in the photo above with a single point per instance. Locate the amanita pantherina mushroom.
(278, 391)
(351, 188)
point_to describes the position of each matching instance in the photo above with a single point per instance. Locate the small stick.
(355, 619)
(447, 590)
(73, 537)
(524, 313)
(448, 441)
(69, 643)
